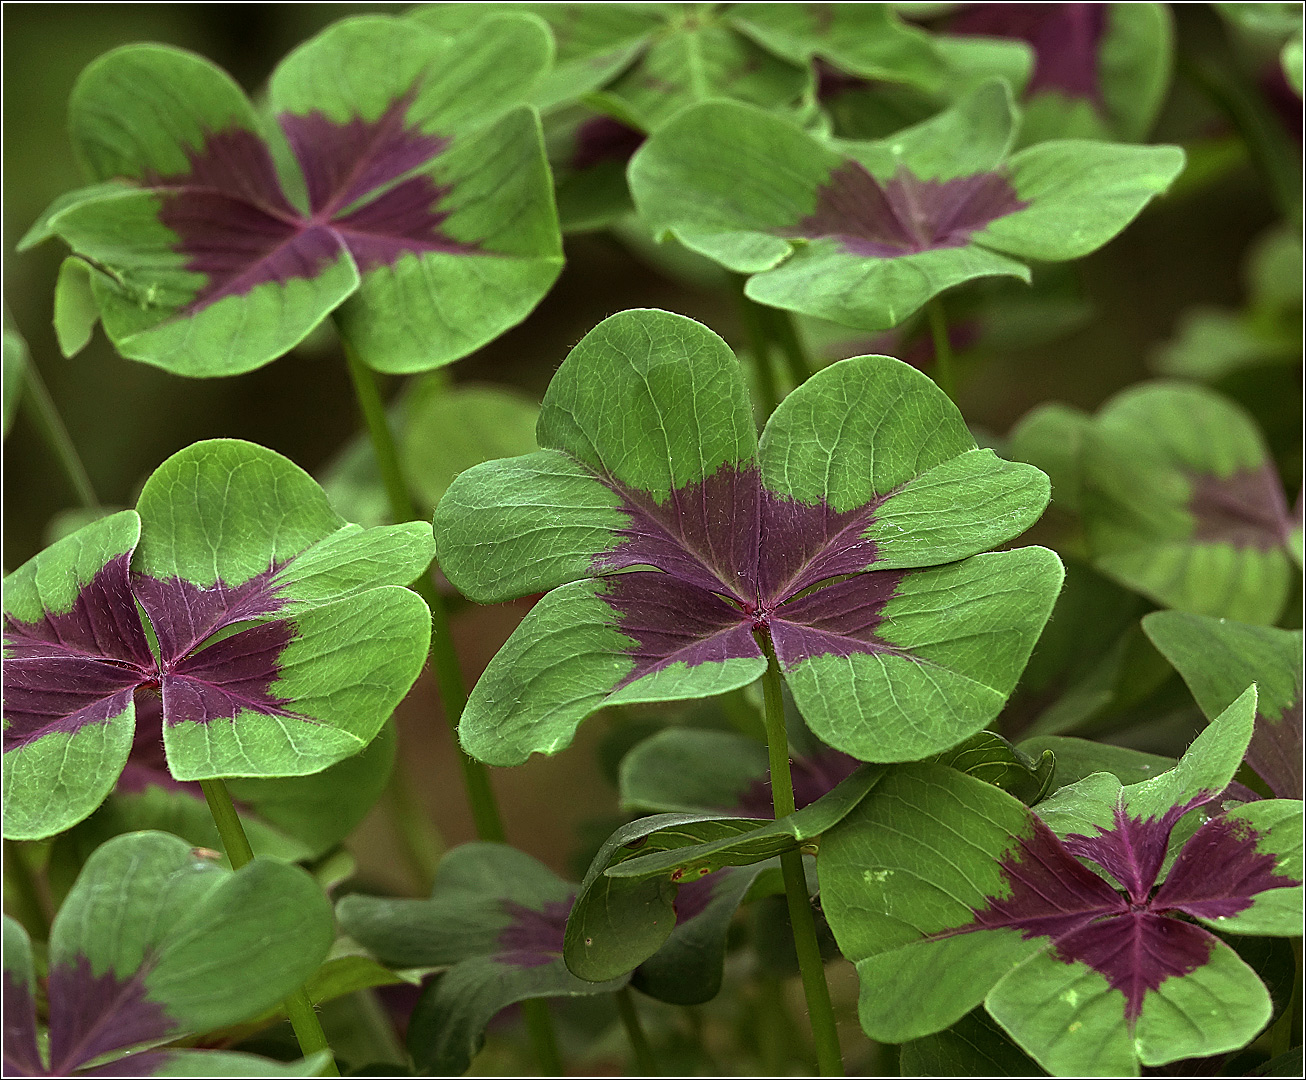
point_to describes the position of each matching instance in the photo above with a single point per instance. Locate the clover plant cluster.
(1011, 724)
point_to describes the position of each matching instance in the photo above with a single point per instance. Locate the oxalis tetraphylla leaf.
(494, 922)
(673, 541)
(404, 168)
(644, 63)
(155, 943)
(1074, 922)
(277, 634)
(865, 233)
(1182, 502)
(636, 66)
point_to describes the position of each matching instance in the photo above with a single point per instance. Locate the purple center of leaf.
(1246, 509)
(64, 672)
(737, 560)
(602, 139)
(147, 764)
(904, 215)
(533, 938)
(93, 1015)
(236, 226)
(1065, 37)
(1275, 751)
(1134, 938)
(831, 82)
(21, 1056)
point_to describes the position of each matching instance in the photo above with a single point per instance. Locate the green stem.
(29, 906)
(40, 407)
(759, 346)
(825, 1036)
(1281, 1033)
(227, 820)
(774, 1026)
(943, 369)
(303, 1018)
(1261, 132)
(308, 1029)
(644, 1061)
(421, 840)
(694, 1019)
(539, 1024)
(448, 675)
(785, 334)
(444, 660)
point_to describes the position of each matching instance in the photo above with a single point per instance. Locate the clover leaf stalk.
(644, 1061)
(785, 334)
(41, 409)
(544, 1041)
(444, 659)
(448, 677)
(753, 316)
(943, 369)
(820, 1012)
(299, 1009)
(29, 905)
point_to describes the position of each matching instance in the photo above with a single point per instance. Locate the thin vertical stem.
(1281, 1033)
(751, 314)
(825, 1035)
(227, 820)
(785, 334)
(1268, 145)
(444, 659)
(539, 1025)
(421, 841)
(308, 1029)
(41, 409)
(448, 675)
(943, 368)
(28, 902)
(644, 1060)
(694, 1020)
(299, 1009)
(774, 1026)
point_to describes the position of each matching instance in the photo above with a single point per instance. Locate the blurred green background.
(1187, 249)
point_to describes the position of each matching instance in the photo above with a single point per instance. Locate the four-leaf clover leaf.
(679, 549)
